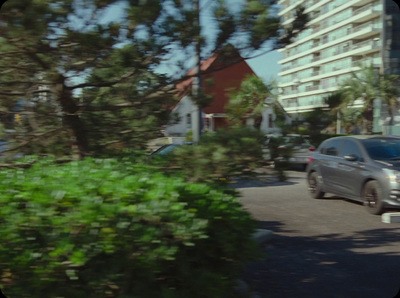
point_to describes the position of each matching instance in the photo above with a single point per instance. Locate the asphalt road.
(320, 248)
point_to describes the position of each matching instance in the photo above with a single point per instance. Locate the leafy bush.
(222, 154)
(113, 228)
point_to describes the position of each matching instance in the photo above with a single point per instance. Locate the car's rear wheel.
(372, 198)
(314, 187)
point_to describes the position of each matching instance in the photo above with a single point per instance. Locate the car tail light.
(312, 149)
(310, 159)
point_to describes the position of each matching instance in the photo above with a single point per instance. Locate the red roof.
(225, 72)
(204, 66)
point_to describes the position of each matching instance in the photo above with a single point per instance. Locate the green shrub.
(230, 152)
(113, 228)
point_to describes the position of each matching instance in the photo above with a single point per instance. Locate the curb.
(262, 235)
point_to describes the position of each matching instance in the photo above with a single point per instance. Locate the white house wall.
(183, 108)
(266, 125)
(186, 106)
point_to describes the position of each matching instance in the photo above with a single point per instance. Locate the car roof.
(366, 137)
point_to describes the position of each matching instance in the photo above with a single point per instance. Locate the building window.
(270, 121)
(188, 120)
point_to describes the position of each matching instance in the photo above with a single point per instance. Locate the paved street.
(320, 248)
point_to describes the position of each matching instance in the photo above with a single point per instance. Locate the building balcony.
(366, 47)
(312, 88)
(309, 4)
(294, 106)
(304, 108)
(366, 30)
(358, 32)
(362, 15)
(290, 7)
(317, 76)
(359, 49)
(348, 5)
(299, 95)
(335, 71)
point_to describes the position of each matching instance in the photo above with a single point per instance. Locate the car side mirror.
(351, 157)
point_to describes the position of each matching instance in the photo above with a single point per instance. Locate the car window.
(382, 149)
(350, 147)
(295, 140)
(165, 149)
(330, 147)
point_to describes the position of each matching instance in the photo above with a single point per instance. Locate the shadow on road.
(264, 180)
(365, 264)
(248, 183)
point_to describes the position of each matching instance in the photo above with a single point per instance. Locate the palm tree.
(334, 102)
(248, 101)
(389, 94)
(367, 85)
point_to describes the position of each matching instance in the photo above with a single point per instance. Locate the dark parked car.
(361, 168)
(293, 149)
(167, 149)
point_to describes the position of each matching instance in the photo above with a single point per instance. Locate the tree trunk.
(72, 120)
(369, 117)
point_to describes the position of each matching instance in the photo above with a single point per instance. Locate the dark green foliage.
(299, 23)
(248, 101)
(367, 84)
(116, 228)
(317, 120)
(103, 75)
(228, 152)
(334, 100)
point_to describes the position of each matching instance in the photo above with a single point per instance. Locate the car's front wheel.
(372, 198)
(314, 187)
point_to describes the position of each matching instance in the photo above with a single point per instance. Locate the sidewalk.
(266, 177)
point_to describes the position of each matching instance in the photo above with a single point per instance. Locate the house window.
(270, 121)
(188, 120)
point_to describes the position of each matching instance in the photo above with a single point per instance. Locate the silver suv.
(361, 168)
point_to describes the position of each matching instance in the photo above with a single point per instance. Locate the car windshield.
(295, 140)
(383, 149)
(165, 150)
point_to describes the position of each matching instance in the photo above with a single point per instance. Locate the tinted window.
(294, 140)
(383, 148)
(165, 150)
(331, 147)
(350, 147)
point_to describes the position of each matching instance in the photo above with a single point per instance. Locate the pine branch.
(16, 165)
(102, 84)
(12, 93)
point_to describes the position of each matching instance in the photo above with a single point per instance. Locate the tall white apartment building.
(341, 35)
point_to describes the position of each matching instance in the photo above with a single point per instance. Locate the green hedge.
(226, 153)
(113, 228)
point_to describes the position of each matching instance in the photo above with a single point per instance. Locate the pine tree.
(91, 83)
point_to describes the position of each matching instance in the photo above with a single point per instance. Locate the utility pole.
(196, 79)
(338, 122)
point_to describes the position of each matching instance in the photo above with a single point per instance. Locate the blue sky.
(265, 66)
